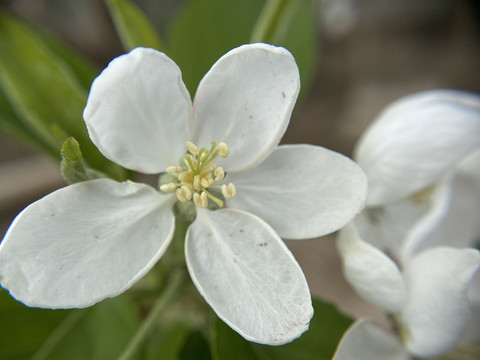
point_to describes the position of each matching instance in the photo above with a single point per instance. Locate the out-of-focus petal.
(437, 310)
(246, 100)
(138, 111)
(372, 273)
(84, 243)
(457, 224)
(416, 140)
(248, 276)
(452, 219)
(302, 191)
(366, 341)
(386, 227)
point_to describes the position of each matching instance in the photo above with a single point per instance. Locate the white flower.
(422, 163)
(409, 154)
(428, 298)
(95, 239)
(364, 340)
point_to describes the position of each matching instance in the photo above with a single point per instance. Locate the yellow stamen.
(174, 169)
(200, 199)
(229, 191)
(183, 194)
(224, 150)
(199, 174)
(219, 174)
(192, 148)
(168, 187)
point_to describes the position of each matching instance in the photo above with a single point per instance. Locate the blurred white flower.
(95, 239)
(410, 155)
(421, 157)
(427, 298)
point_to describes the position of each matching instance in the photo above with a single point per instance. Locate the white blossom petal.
(437, 310)
(371, 272)
(416, 140)
(84, 243)
(366, 341)
(302, 191)
(457, 224)
(386, 227)
(248, 276)
(138, 111)
(246, 100)
(447, 222)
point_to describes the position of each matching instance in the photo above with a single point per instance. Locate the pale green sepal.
(132, 26)
(72, 165)
(185, 211)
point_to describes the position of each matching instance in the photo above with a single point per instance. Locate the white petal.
(138, 111)
(366, 341)
(450, 221)
(416, 140)
(248, 276)
(386, 227)
(458, 224)
(302, 191)
(437, 309)
(371, 273)
(84, 243)
(246, 100)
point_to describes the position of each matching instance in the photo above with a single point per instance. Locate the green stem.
(47, 347)
(268, 21)
(150, 321)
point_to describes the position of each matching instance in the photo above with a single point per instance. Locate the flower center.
(199, 174)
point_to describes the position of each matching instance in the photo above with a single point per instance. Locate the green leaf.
(291, 24)
(168, 342)
(80, 68)
(43, 90)
(298, 33)
(133, 26)
(207, 29)
(24, 329)
(178, 341)
(318, 343)
(196, 347)
(11, 124)
(73, 167)
(99, 332)
(268, 23)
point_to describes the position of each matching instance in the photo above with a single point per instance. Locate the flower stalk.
(151, 320)
(269, 21)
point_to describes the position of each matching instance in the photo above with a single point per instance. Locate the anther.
(229, 191)
(200, 199)
(224, 149)
(168, 187)
(174, 169)
(184, 194)
(219, 174)
(204, 182)
(192, 148)
(196, 182)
